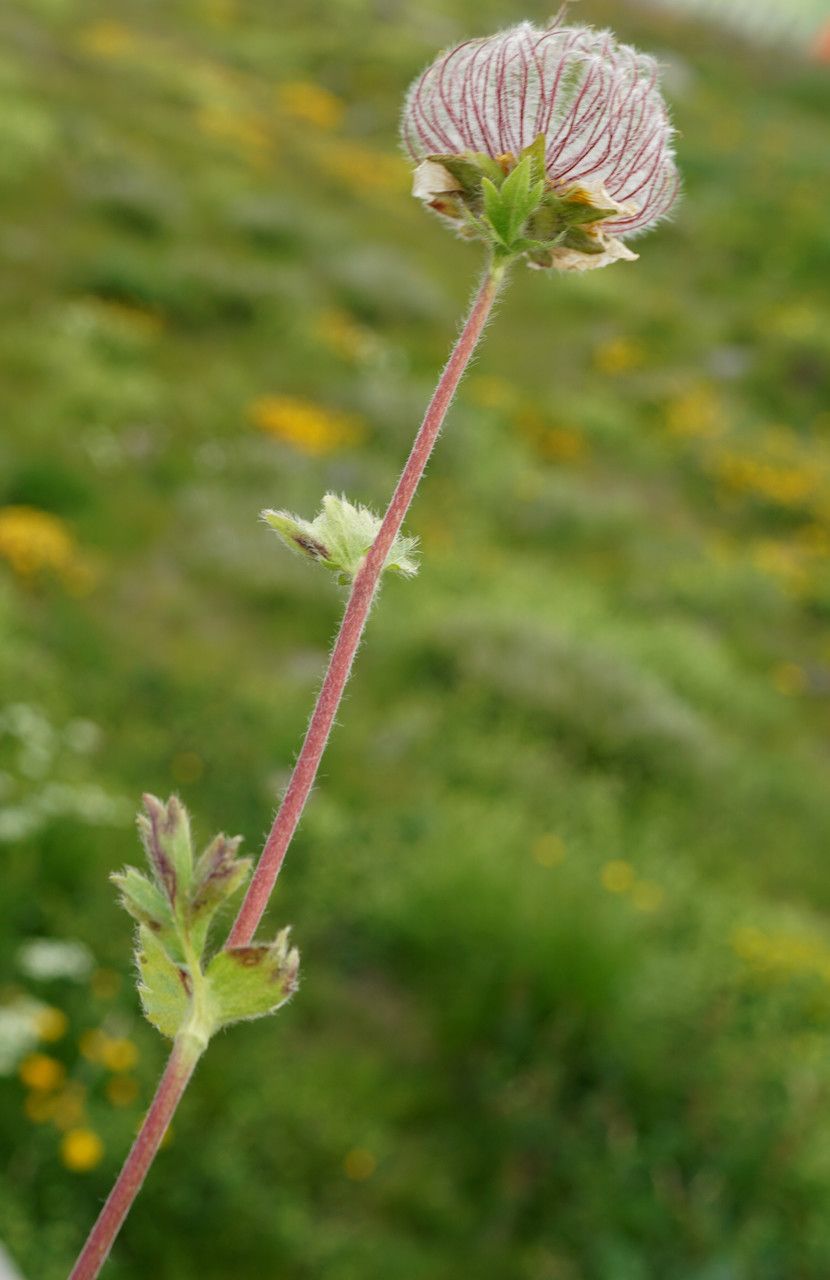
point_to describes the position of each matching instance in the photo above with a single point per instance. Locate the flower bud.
(582, 113)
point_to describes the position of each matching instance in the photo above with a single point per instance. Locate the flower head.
(587, 113)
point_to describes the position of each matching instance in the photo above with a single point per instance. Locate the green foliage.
(179, 991)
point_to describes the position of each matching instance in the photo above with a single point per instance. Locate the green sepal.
(217, 876)
(582, 241)
(165, 988)
(467, 172)
(252, 981)
(488, 167)
(513, 205)
(165, 834)
(536, 154)
(340, 536)
(507, 208)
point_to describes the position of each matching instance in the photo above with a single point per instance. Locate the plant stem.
(186, 1052)
(363, 592)
(180, 1067)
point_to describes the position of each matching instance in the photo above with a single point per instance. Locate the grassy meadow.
(562, 893)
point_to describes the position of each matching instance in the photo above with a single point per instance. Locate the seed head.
(587, 109)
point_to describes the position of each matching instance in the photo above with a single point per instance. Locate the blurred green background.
(562, 892)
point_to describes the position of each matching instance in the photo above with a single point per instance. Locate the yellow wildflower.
(51, 1024)
(34, 542)
(92, 1044)
(308, 427)
(782, 955)
(118, 1054)
(40, 1072)
(363, 169)
(785, 484)
(617, 876)
(310, 103)
(81, 1150)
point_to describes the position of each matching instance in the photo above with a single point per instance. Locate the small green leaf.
(340, 536)
(165, 987)
(144, 901)
(249, 982)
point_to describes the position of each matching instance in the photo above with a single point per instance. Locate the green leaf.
(165, 987)
(144, 901)
(340, 536)
(249, 982)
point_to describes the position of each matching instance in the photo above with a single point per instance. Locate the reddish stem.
(183, 1060)
(171, 1086)
(359, 604)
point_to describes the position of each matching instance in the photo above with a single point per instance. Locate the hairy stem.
(180, 1067)
(185, 1052)
(355, 616)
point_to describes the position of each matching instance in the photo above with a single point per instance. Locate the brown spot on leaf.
(311, 547)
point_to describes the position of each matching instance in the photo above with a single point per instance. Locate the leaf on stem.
(165, 987)
(250, 982)
(340, 536)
